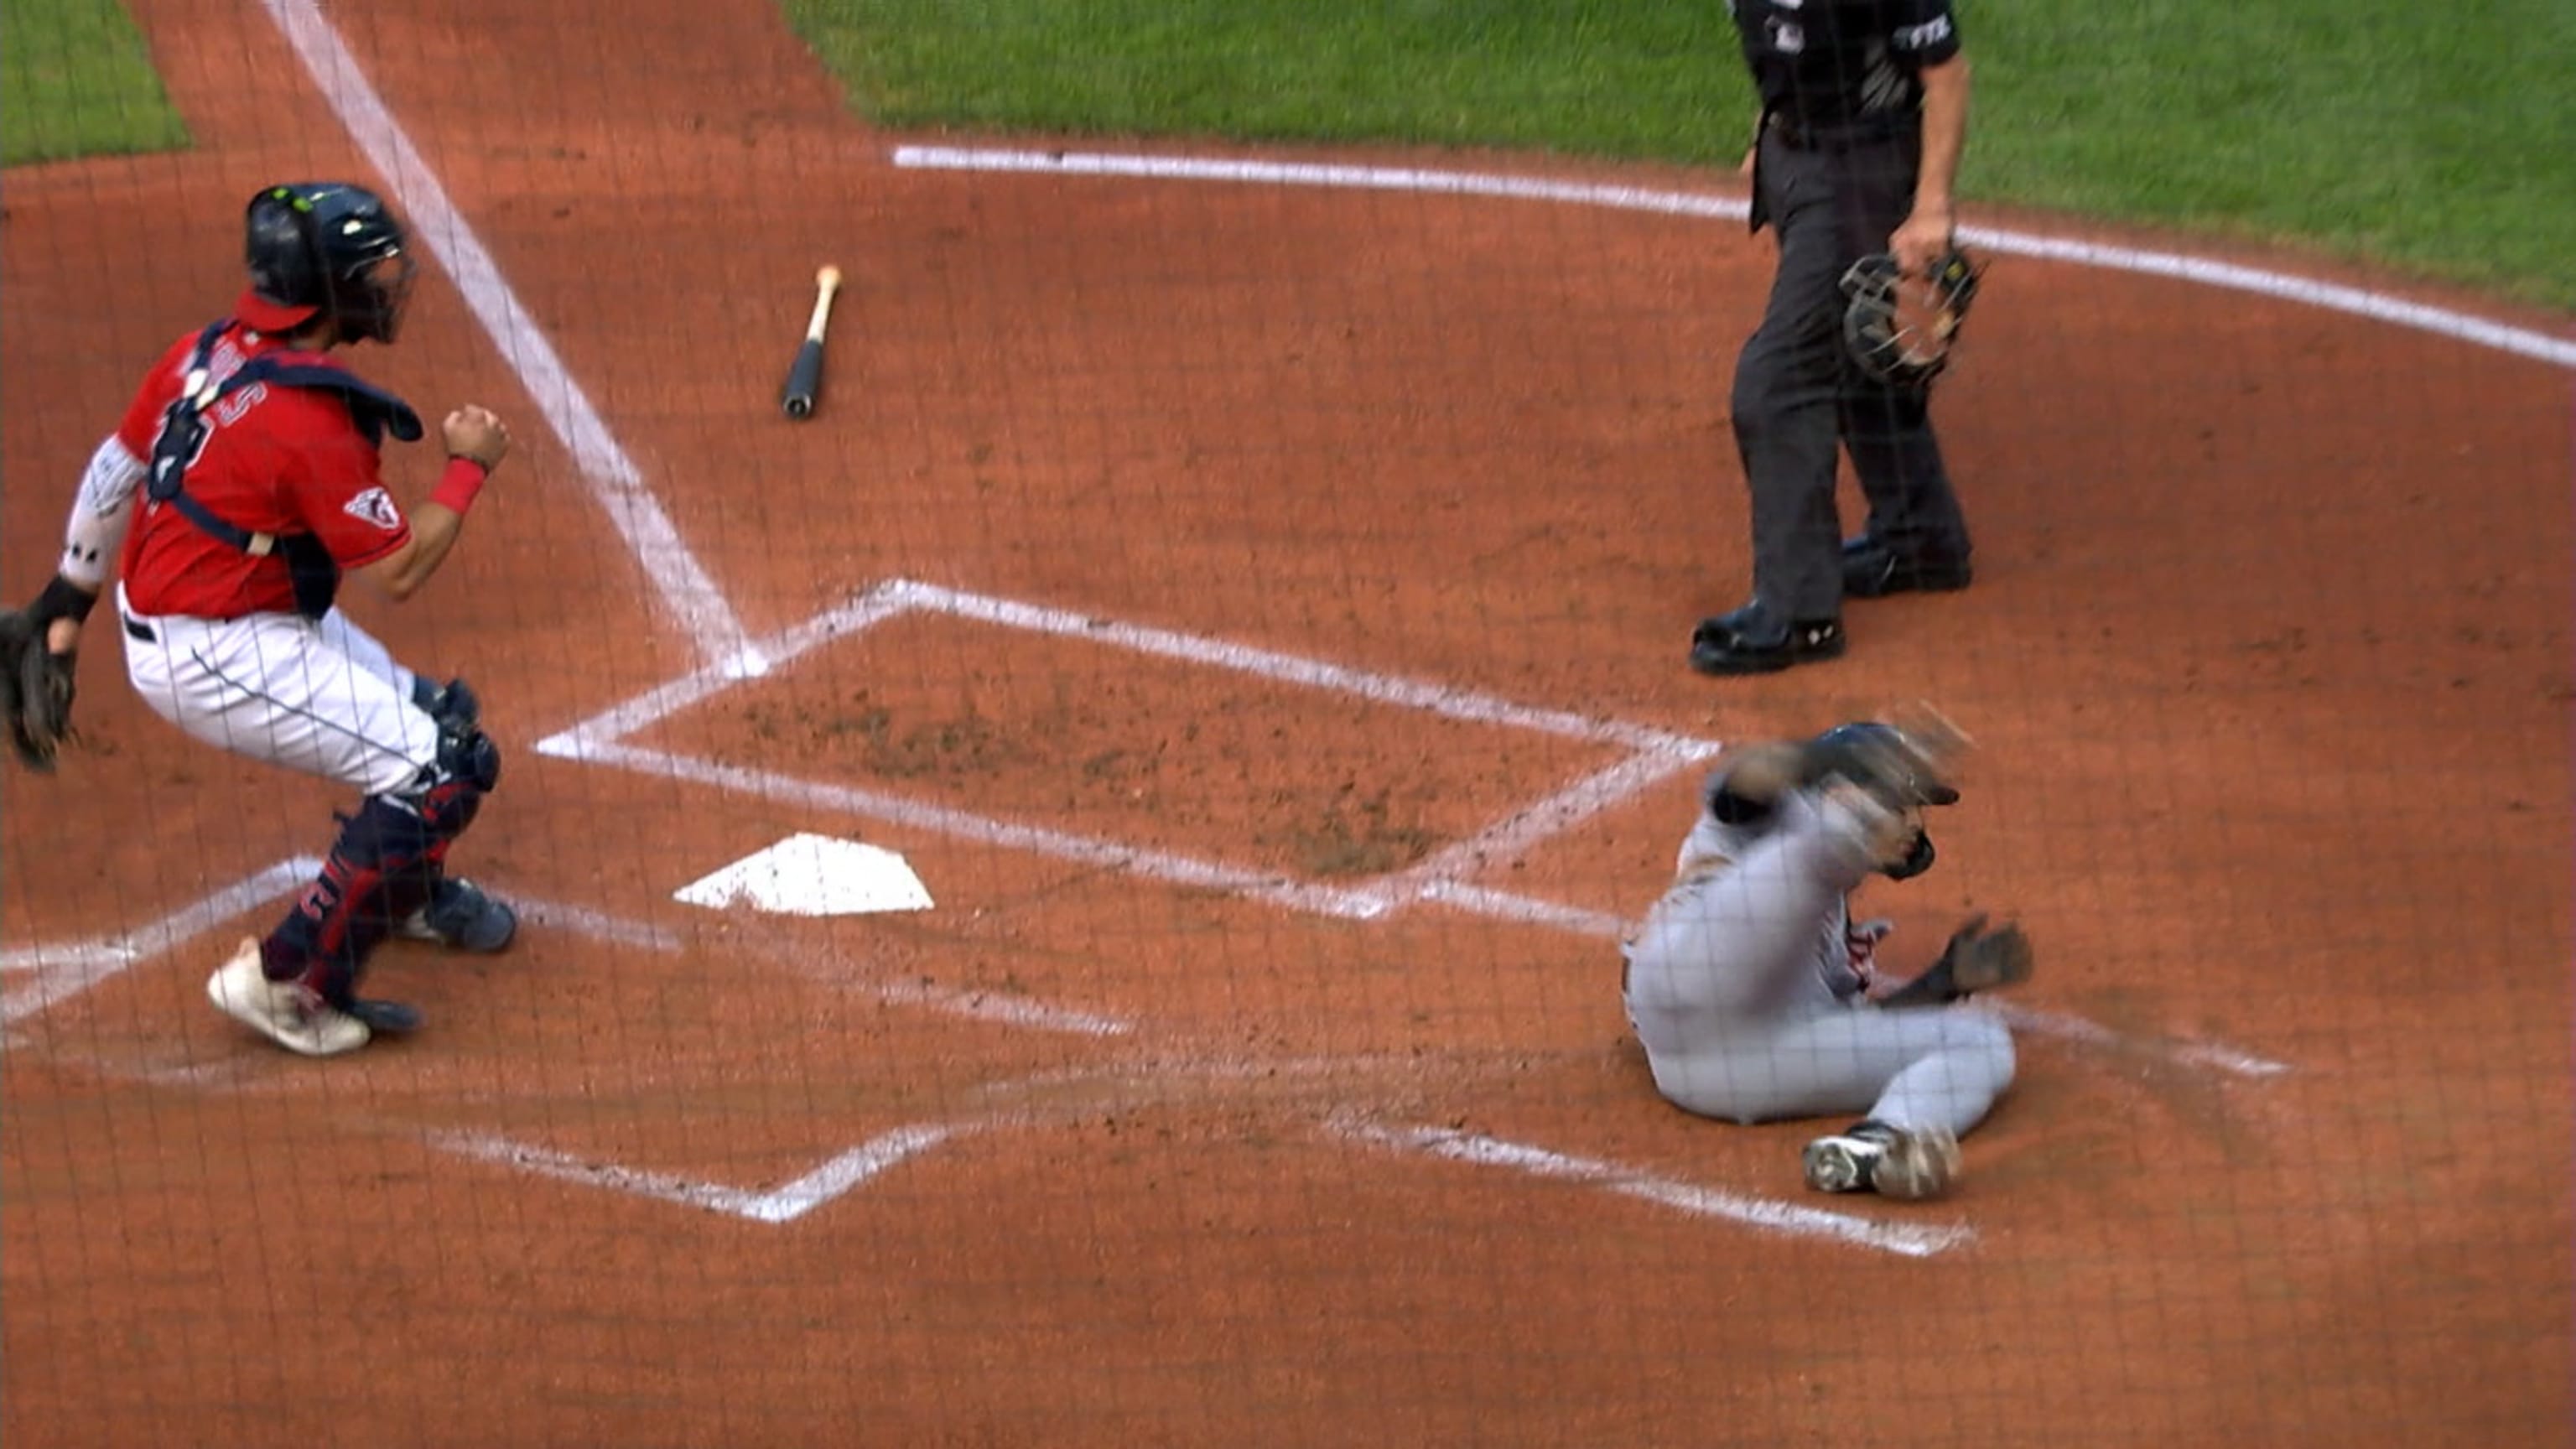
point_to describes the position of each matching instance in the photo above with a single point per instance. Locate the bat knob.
(800, 407)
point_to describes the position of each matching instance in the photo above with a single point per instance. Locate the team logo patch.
(376, 506)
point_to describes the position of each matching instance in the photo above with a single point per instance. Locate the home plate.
(813, 875)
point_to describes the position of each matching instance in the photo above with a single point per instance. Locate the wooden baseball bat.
(805, 378)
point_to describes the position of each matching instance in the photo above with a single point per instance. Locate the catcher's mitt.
(1900, 329)
(36, 687)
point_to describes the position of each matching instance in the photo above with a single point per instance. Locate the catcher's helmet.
(1878, 757)
(328, 249)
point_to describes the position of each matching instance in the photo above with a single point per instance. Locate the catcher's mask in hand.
(1899, 328)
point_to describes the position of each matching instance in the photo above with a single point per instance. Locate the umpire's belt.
(1842, 136)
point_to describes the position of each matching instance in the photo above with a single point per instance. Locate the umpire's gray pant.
(1797, 390)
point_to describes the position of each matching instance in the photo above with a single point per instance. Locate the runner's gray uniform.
(1745, 985)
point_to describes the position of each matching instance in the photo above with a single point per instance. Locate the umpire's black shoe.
(1751, 641)
(1874, 570)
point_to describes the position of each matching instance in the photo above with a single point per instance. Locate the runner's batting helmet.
(1878, 757)
(328, 249)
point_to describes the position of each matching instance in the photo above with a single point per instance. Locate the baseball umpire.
(1757, 997)
(256, 458)
(1864, 115)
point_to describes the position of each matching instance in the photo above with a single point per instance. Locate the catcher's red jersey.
(279, 460)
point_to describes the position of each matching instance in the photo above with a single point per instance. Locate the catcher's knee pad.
(450, 789)
(442, 800)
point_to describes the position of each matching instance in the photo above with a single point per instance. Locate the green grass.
(2440, 141)
(75, 81)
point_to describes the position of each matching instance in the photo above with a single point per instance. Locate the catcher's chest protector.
(185, 432)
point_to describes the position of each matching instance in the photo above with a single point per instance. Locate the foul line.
(2200, 271)
(686, 590)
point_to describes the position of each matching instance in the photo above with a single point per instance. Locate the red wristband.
(458, 485)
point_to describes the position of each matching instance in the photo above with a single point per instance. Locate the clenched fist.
(473, 432)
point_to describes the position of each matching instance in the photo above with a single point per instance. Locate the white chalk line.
(847, 1171)
(58, 973)
(776, 1206)
(1435, 881)
(1654, 755)
(1446, 701)
(690, 596)
(2199, 271)
(1431, 878)
(833, 1178)
(840, 1175)
(1770, 1215)
(972, 1004)
(2073, 1028)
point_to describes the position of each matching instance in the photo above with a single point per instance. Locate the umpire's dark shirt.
(1821, 64)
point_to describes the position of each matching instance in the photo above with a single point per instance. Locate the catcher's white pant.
(1740, 989)
(323, 697)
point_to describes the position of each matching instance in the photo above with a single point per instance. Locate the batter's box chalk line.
(1647, 757)
(1652, 755)
(1768, 1215)
(831, 1179)
(844, 1173)
(847, 1171)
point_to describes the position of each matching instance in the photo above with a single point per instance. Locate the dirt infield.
(1257, 612)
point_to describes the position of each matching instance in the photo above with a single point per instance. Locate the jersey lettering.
(230, 410)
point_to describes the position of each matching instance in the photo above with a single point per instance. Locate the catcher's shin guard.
(386, 869)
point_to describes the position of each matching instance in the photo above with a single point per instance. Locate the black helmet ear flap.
(1917, 860)
(283, 251)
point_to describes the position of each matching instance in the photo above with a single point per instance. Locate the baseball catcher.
(241, 487)
(1756, 996)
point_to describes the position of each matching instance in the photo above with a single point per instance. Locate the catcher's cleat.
(289, 1013)
(1750, 640)
(1874, 1157)
(1874, 570)
(463, 916)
